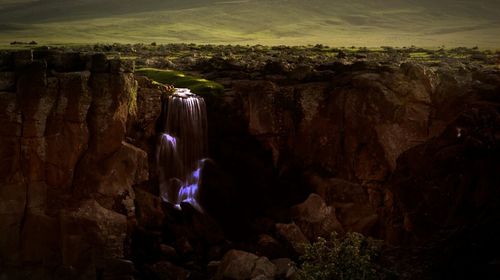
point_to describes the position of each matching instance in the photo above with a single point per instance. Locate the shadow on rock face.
(449, 192)
(231, 198)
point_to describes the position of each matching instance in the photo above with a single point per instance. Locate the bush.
(348, 258)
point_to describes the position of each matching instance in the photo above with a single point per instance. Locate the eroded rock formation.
(66, 172)
(407, 153)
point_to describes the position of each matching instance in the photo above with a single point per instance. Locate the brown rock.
(445, 182)
(285, 268)
(7, 81)
(183, 246)
(168, 251)
(40, 238)
(354, 209)
(270, 247)
(12, 208)
(264, 269)
(91, 234)
(23, 57)
(65, 131)
(357, 218)
(242, 265)
(10, 115)
(118, 269)
(293, 236)
(110, 181)
(122, 66)
(167, 271)
(338, 190)
(64, 148)
(354, 127)
(149, 212)
(112, 94)
(141, 124)
(315, 218)
(48, 132)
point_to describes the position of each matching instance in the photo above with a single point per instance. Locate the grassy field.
(270, 22)
(180, 80)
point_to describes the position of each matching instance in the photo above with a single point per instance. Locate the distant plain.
(370, 23)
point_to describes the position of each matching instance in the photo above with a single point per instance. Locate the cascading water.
(182, 148)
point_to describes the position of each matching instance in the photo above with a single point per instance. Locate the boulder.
(110, 180)
(168, 252)
(167, 271)
(285, 268)
(293, 237)
(149, 211)
(357, 218)
(355, 208)
(242, 265)
(334, 190)
(270, 247)
(90, 235)
(118, 269)
(315, 218)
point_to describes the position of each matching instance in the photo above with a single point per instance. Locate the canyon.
(403, 152)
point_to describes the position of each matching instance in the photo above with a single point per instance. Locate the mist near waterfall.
(182, 149)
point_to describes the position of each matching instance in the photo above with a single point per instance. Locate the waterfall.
(182, 148)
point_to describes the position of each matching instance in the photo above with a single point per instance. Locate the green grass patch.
(178, 79)
(292, 22)
(422, 55)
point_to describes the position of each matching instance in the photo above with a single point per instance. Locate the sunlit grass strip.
(181, 80)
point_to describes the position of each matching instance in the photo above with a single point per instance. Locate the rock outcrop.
(315, 218)
(448, 192)
(66, 171)
(346, 128)
(240, 265)
(407, 153)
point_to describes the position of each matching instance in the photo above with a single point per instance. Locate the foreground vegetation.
(350, 257)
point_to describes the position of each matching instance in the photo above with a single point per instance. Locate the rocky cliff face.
(66, 171)
(403, 153)
(407, 153)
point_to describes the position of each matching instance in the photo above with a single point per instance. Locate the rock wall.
(66, 170)
(406, 153)
(346, 126)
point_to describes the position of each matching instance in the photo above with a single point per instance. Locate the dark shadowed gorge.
(299, 143)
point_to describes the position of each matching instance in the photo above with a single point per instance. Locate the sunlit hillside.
(294, 22)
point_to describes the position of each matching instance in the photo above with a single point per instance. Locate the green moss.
(132, 105)
(420, 55)
(180, 80)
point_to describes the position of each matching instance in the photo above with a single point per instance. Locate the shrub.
(348, 258)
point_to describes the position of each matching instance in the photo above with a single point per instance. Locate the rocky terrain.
(302, 142)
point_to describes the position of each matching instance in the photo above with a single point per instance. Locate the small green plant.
(345, 258)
